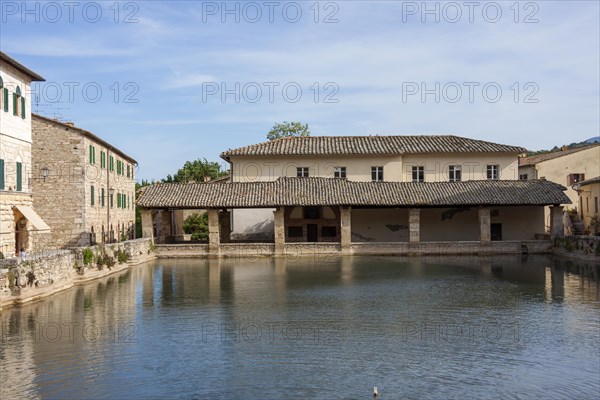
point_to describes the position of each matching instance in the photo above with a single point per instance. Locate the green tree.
(287, 129)
(196, 171)
(197, 226)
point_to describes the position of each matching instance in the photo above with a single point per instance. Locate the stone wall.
(49, 272)
(578, 246)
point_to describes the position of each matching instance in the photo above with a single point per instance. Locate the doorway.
(496, 232)
(311, 233)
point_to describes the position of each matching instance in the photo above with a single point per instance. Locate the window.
(454, 173)
(111, 163)
(18, 103)
(128, 170)
(574, 178)
(493, 171)
(92, 198)
(522, 177)
(119, 200)
(377, 174)
(92, 154)
(102, 159)
(312, 213)
(339, 172)
(1, 174)
(19, 177)
(328, 231)
(302, 172)
(111, 201)
(102, 197)
(418, 174)
(294, 231)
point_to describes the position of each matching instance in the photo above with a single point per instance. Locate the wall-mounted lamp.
(45, 172)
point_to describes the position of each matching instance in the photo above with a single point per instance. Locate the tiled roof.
(20, 67)
(331, 191)
(368, 145)
(590, 181)
(550, 156)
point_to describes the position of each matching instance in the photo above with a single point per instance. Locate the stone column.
(147, 225)
(346, 229)
(214, 239)
(414, 225)
(279, 230)
(556, 222)
(485, 230)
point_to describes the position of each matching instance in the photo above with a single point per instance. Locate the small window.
(112, 163)
(574, 178)
(377, 174)
(522, 177)
(302, 172)
(418, 174)
(102, 197)
(128, 170)
(312, 212)
(111, 201)
(294, 231)
(92, 154)
(92, 196)
(493, 171)
(102, 159)
(339, 172)
(454, 173)
(19, 177)
(328, 231)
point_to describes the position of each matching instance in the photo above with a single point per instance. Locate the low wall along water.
(25, 279)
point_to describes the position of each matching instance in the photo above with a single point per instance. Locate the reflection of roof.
(589, 181)
(369, 145)
(550, 156)
(332, 191)
(20, 67)
(88, 134)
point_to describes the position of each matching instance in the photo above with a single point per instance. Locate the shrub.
(1, 256)
(88, 256)
(122, 256)
(197, 226)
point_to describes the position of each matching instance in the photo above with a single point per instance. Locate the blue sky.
(377, 68)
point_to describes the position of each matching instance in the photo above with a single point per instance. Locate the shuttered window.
(1, 174)
(102, 159)
(112, 163)
(92, 196)
(19, 177)
(102, 197)
(128, 170)
(22, 107)
(118, 199)
(5, 95)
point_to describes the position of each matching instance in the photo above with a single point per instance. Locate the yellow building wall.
(589, 204)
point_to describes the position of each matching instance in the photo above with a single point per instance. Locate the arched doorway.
(21, 235)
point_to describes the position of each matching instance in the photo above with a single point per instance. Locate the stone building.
(566, 167)
(20, 225)
(396, 194)
(88, 189)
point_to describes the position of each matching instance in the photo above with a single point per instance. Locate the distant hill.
(592, 140)
(566, 147)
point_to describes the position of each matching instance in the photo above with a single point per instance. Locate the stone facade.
(75, 199)
(16, 231)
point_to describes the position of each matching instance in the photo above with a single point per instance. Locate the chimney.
(70, 123)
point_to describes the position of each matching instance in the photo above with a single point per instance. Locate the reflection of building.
(20, 226)
(589, 195)
(89, 190)
(357, 190)
(566, 167)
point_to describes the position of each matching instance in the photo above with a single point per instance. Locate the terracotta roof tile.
(369, 145)
(331, 191)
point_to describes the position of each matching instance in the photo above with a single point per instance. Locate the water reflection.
(305, 328)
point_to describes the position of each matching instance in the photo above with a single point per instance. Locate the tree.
(197, 226)
(196, 171)
(287, 129)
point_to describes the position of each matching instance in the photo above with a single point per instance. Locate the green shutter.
(5, 99)
(15, 99)
(22, 107)
(19, 177)
(102, 193)
(1, 174)
(91, 157)
(92, 196)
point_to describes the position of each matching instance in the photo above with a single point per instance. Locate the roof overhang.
(33, 217)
